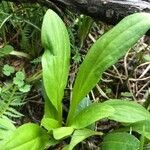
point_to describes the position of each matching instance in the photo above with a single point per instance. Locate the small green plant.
(20, 19)
(8, 70)
(82, 113)
(6, 50)
(12, 94)
(10, 99)
(9, 50)
(85, 24)
(19, 80)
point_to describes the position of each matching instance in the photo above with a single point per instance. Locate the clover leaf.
(25, 88)
(19, 79)
(8, 70)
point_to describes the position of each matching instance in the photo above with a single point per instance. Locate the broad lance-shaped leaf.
(83, 104)
(49, 109)
(26, 137)
(105, 52)
(120, 141)
(62, 132)
(6, 130)
(80, 135)
(49, 123)
(90, 114)
(127, 111)
(142, 127)
(55, 60)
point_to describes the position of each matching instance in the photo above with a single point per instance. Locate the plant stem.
(70, 115)
(21, 54)
(60, 114)
(35, 77)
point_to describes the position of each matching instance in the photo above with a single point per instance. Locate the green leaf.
(55, 60)
(6, 130)
(49, 123)
(14, 111)
(25, 88)
(66, 147)
(8, 70)
(62, 132)
(27, 136)
(19, 79)
(105, 52)
(83, 104)
(20, 75)
(49, 109)
(91, 114)
(142, 127)
(6, 50)
(146, 57)
(80, 135)
(0, 90)
(147, 146)
(52, 142)
(6, 124)
(120, 141)
(127, 111)
(85, 24)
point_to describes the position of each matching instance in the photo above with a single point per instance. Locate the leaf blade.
(62, 132)
(141, 127)
(6, 130)
(49, 123)
(80, 135)
(97, 111)
(37, 139)
(127, 111)
(55, 60)
(120, 141)
(105, 52)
